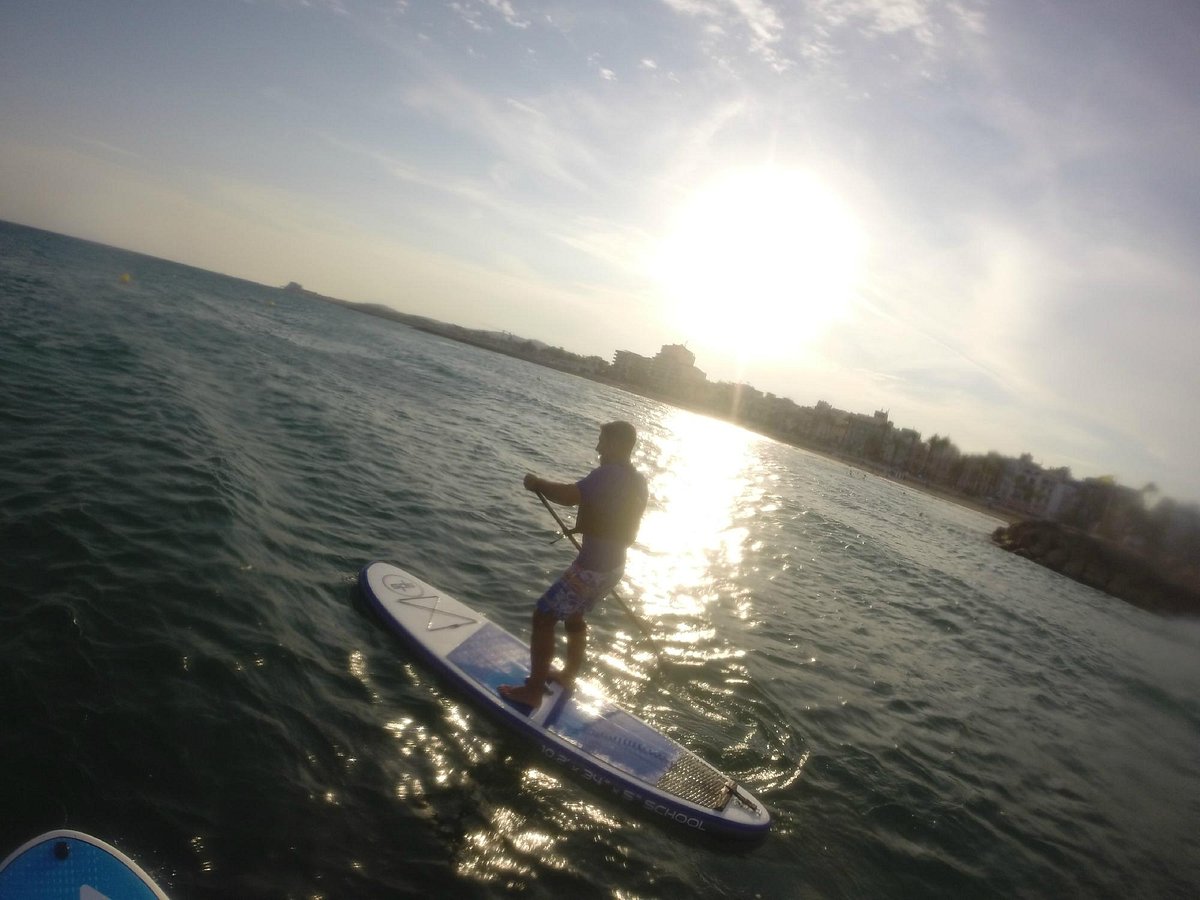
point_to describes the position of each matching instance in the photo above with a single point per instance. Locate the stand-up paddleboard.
(579, 729)
(70, 865)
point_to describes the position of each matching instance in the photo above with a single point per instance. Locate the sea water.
(194, 468)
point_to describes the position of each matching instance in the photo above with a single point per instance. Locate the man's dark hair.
(622, 434)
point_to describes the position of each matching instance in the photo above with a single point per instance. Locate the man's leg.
(576, 651)
(541, 654)
(541, 649)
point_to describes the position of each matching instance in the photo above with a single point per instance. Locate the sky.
(982, 217)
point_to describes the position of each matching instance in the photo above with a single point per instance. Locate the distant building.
(829, 425)
(675, 356)
(1062, 495)
(631, 367)
(1097, 505)
(672, 371)
(943, 458)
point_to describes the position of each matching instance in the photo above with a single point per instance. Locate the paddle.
(613, 593)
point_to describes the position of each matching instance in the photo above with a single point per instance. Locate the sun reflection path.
(704, 486)
(515, 844)
(708, 482)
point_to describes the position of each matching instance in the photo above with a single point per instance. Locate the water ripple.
(194, 469)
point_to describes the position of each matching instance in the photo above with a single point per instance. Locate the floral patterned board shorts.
(577, 591)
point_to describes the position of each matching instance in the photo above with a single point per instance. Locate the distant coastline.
(1097, 563)
(543, 355)
(1113, 535)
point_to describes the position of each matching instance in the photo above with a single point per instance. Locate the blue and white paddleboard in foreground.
(70, 865)
(579, 729)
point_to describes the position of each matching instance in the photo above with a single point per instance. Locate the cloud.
(525, 134)
(752, 22)
(108, 149)
(505, 9)
(925, 21)
(830, 32)
(478, 18)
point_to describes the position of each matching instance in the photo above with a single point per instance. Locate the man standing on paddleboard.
(611, 500)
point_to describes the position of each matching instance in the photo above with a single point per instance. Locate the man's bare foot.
(567, 681)
(526, 694)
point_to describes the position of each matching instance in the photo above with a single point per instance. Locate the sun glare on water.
(760, 262)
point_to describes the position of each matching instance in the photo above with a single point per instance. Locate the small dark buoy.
(62, 850)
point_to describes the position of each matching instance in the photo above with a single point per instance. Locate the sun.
(760, 262)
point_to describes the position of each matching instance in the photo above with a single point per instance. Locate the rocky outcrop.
(1098, 564)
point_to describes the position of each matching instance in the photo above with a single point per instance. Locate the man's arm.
(562, 494)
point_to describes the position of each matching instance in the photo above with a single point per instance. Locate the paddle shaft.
(640, 624)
